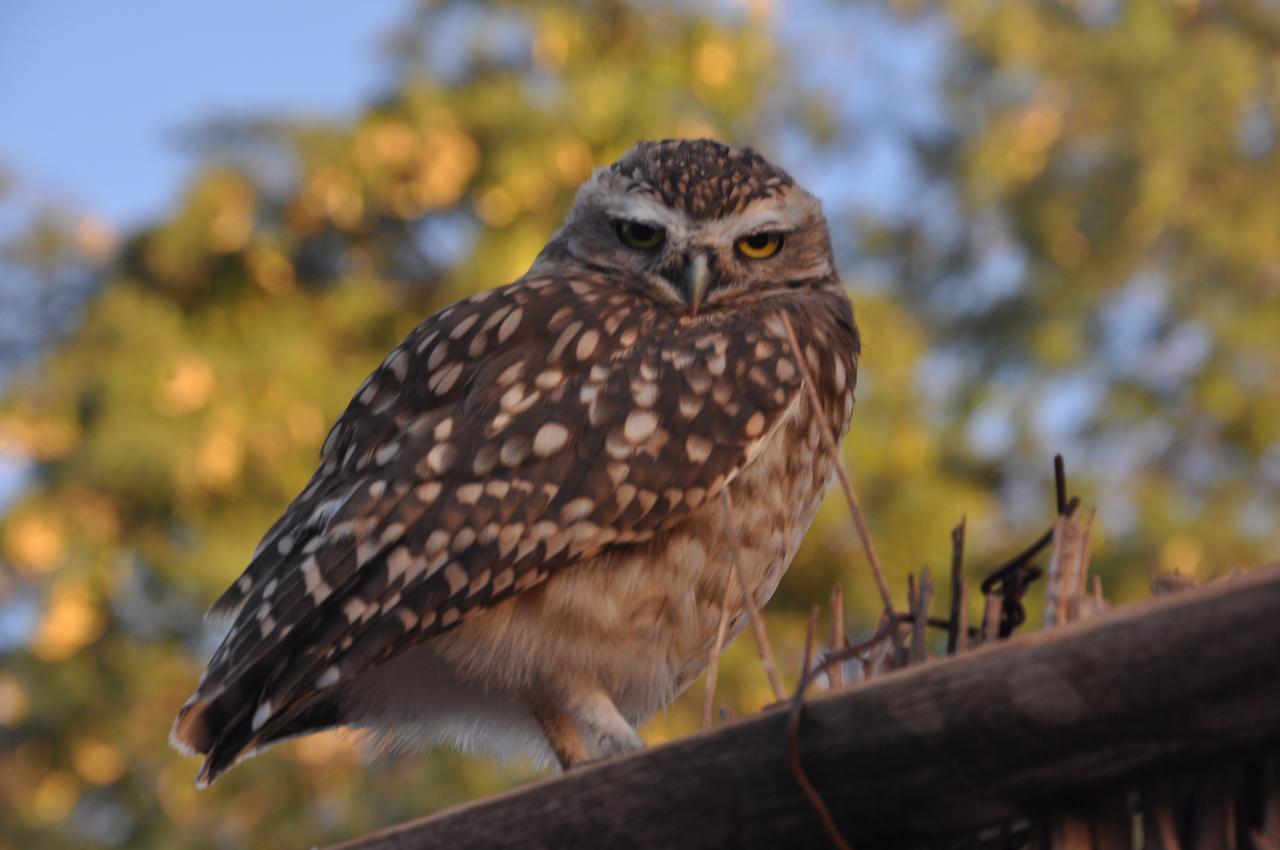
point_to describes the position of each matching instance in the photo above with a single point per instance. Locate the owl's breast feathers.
(508, 437)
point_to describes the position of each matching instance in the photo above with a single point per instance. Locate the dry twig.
(992, 616)
(749, 602)
(836, 674)
(957, 590)
(829, 440)
(829, 662)
(793, 742)
(713, 669)
(962, 619)
(810, 631)
(920, 618)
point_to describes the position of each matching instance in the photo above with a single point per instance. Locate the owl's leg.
(607, 732)
(563, 736)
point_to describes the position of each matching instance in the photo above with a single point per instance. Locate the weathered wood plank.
(980, 738)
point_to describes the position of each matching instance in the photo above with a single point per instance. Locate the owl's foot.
(607, 732)
(589, 729)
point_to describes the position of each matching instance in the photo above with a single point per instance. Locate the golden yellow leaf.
(13, 700)
(54, 797)
(97, 761)
(35, 542)
(71, 621)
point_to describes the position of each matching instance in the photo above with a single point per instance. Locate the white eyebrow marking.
(646, 209)
(765, 214)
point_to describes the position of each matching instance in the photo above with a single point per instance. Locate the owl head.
(698, 224)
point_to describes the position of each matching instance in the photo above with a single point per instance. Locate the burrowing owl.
(515, 538)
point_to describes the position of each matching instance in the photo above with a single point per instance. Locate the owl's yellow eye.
(638, 235)
(759, 246)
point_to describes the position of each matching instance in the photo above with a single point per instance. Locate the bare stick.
(1061, 579)
(1060, 483)
(920, 618)
(811, 631)
(713, 669)
(853, 650)
(991, 617)
(836, 674)
(807, 786)
(749, 602)
(1080, 609)
(957, 579)
(881, 655)
(1099, 601)
(829, 440)
(962, 617)
(807, 676)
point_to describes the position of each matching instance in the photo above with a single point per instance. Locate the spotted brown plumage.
(703, 182)
(538, 467)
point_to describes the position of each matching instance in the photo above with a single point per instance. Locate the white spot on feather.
(509, 324)
(639, 425)
(387, 452)
(550, 438)
(261, 716)
(316, 586)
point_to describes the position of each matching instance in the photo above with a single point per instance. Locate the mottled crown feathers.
(705, 178)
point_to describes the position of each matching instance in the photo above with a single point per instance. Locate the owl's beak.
(697, 276)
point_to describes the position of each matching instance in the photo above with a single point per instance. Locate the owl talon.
(601, 722)
(563, 737)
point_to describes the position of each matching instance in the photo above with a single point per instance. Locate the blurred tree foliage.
(1109, 286)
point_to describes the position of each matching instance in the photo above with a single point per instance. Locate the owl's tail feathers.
(201, 727)
(225, 727)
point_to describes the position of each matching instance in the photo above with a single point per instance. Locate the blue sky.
(94, 95)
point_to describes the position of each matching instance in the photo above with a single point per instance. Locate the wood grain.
(998, 733)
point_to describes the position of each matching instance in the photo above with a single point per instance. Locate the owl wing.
(507, 438)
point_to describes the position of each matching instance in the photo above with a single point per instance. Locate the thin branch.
(806, 785)
(713, 669)
(1099, 602)
(793, 742)
(1041, 543)
(829, 440)
(749, 602)
(1080, 608)
(829, 662)
(920, 618)
(882, 655)
(838, 639)
(957, 579)
(810, 632)
(850, 650)
(1060, 483)
(991, 617)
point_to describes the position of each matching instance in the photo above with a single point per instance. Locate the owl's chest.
(773, 503)
(640, 620)
(643, 620)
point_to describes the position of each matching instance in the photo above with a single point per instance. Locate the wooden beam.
(977, 739)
